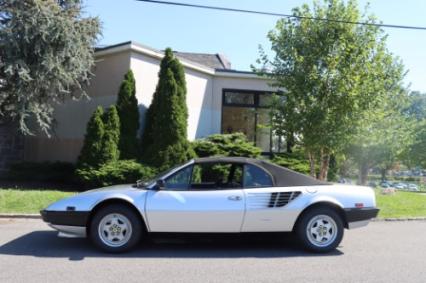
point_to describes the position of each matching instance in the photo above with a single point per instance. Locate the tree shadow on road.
(47, 244)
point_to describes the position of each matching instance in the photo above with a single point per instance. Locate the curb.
(20, 215)
(38, 216)
(399, 219)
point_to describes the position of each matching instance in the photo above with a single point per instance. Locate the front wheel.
(115, 228)
(320, 229)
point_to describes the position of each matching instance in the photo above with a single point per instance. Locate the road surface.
(381, 252)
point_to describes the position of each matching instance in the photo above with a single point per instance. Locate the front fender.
(87, 201)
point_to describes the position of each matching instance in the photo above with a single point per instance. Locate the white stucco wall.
(72, 116)
(199, 95)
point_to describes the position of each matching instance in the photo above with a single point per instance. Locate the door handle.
(235, 198)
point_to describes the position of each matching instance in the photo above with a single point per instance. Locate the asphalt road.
(381, 252)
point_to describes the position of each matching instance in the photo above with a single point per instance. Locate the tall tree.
(46, 54)
(383, 136)
(111, 137)
(417, 105)
(92, 146)
(415, 154)
(331, 72)
(127, 107)
(164, 141)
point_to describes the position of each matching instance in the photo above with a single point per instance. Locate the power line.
(280, 15)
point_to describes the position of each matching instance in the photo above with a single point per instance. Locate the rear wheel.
(115, 228)
(320, 229)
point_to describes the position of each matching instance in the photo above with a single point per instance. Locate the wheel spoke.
(120, 236)
(111, 237)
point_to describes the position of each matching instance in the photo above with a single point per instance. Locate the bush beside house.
(295, 161)
(50, 172)
(115, 172)
(225, 145)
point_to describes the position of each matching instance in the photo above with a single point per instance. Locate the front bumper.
(69, 218)
(358, 217)
(68, 223)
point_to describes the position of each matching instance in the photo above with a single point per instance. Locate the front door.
(204, 197)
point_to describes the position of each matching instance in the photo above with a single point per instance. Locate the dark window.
(247, 112)
(255, 177)
(239, 98)
(179, 180)
(239, 120)
(211, 176)
(265, 100)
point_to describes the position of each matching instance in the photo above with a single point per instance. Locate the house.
(220, 99)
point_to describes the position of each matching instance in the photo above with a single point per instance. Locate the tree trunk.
(312, 164)
(325, 162)
(363, 173)
(383, 173)
(290, 143)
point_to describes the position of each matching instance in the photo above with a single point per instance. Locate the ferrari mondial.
(216, 195)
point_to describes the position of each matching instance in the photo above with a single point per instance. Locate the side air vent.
(283, 198)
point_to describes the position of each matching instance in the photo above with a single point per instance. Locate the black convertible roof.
(283, 177)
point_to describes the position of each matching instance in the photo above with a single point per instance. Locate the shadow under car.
(263, 245)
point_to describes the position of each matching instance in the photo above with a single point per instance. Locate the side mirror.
(160, 184)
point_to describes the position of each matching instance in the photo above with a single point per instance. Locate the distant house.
(220, 99)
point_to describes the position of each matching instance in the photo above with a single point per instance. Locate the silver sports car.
(216, 195)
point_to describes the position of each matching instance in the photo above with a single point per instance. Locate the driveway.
(381, 252)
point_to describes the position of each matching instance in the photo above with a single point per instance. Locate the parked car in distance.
(216, 195)
(401, 186)
(385, 184)
(413, 187)
(344, 181)
(372, 184)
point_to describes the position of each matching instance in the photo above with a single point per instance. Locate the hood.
(113, 188)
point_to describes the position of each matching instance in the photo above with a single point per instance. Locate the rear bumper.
(358, 217)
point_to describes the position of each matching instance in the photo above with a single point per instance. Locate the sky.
(238, 35)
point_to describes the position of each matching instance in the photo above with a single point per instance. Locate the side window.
(179, 180)
(254, 177)
(212, 176)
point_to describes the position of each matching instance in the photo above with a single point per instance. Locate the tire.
(116, 228)
(320, 229)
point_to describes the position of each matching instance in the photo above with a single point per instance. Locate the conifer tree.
(46, 57)
(127, 107)
(109, 143)
(164, 142)
(89, 156)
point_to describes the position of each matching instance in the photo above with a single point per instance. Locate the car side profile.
(216, 195)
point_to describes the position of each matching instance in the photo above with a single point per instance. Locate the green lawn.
(28, 201)
(401, 204)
